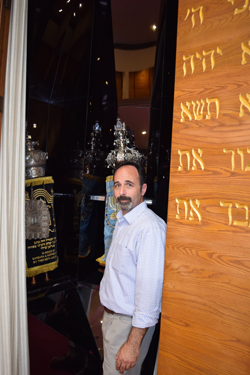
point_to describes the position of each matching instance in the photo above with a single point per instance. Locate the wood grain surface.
(205, 327)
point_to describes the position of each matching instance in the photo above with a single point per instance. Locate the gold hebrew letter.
(185, 110)
(198, 158)
(248, 166)
(198, 56)
(188, 12)
(191, 58)
(179, 201)
(241, 153)
(242, 9)
(200, 9)
(229, 205)
(198, 115)
(246, 50)
(180, 168)
(233, 153)
(195, 209)
(193, 11)
(219, 51)
(245, 103)
(217, 103)
(242, 223)
(212, 59)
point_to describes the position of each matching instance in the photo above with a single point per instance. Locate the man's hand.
(126, 357)
(129, 352)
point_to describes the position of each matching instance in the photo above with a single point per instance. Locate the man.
(131, 288)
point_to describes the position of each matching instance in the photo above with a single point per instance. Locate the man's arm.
(129, 352)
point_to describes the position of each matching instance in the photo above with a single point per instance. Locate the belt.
(109, 311)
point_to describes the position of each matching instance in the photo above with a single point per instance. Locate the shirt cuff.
(141, 320)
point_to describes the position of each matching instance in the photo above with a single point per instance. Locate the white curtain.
(14, 351)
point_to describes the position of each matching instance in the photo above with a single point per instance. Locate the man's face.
(127, 189)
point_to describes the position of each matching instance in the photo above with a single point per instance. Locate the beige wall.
(134, 60)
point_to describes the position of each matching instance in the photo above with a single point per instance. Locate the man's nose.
(122, 190)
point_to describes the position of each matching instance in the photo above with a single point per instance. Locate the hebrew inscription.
(229, 206)
(197, 157)
(241, 153)
(198, 11)
(194, 110)
(244, 102)
(242, 9)
(198, 55)
(189, 210)
(191, 207)
(245, 51)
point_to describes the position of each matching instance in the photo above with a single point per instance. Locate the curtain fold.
(14, 352)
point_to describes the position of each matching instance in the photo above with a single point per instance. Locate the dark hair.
(139, 167)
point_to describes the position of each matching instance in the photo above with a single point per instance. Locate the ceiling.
(132, 21)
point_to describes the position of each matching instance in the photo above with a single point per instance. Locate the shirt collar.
(132, 215)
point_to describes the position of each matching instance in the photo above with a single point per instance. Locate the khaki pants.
(116, 329)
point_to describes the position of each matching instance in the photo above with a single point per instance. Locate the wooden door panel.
(206, 295)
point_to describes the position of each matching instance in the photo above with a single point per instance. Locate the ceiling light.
(106, 82)
(98, 58)
(154, 27)
(60, 10)
(68, 1)
(80, 5)
(74, 14)
(34, 126)
(144, 132)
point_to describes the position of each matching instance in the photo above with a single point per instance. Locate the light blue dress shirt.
(133, 277)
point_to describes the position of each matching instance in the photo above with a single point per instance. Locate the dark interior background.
(71, 84)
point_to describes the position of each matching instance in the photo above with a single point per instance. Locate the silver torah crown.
(122, 151)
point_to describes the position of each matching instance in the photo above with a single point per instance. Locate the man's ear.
(144, 189)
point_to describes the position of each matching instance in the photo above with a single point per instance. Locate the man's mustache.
(123, 197)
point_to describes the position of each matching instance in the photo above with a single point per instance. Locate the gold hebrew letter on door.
(242, 9)
(185, 109)
(197, 158)
(200, 9)
(195, 209)
(242, 223)
(248, 166)
(180, 201)
(232, 158)
(211, 57)
(229, 205)
(217, 104)
(187, 153)
(244, 102)
(198, 113)
(246, 50)
(186, 58)
(241, 153)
